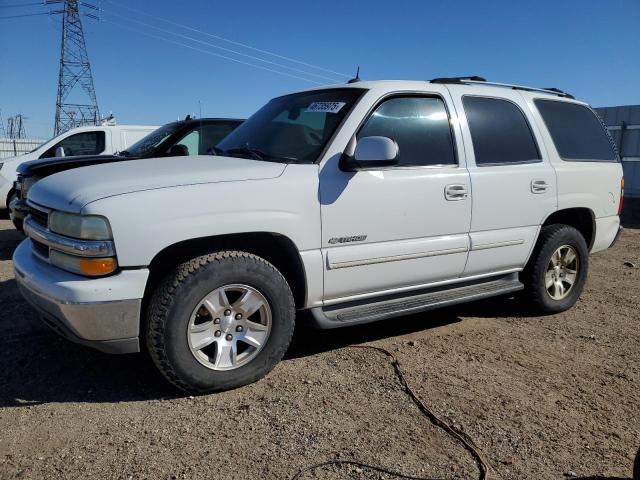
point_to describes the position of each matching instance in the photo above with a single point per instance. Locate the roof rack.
(470, 80)
(467, 79)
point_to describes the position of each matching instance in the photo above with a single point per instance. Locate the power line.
(18, 5)
(25, 15)
(157, 37)
(244, 45)
(187, 37)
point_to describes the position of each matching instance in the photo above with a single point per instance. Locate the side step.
(352, 313)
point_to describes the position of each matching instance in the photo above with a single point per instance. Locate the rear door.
(512, 181)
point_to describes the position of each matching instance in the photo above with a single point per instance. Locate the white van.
(90, 140)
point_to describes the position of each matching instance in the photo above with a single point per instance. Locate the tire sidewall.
(238, 270)
(562, 236)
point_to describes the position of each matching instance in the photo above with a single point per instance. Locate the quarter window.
(420, 126)
(85, 143)
(499, 131)
(576, 131)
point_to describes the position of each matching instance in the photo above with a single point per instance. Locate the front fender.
(145, 223)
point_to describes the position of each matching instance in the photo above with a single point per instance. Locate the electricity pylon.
(76, 102)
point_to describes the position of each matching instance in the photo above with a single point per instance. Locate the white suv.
(355, 203)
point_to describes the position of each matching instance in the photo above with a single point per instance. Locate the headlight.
(91, 267)
(83, 227)
(27, 183)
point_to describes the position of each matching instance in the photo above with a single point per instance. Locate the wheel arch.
(581, 218)
(277, 249)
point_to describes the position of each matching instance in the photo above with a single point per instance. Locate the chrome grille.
(39, 216)
(40, 249)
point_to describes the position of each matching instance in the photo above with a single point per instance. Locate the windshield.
(148, 144)
(43, 143)
(293, 128)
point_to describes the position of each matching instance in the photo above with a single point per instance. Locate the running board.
(343, 315)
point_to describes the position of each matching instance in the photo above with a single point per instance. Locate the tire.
(561, 295)
(636, 467)
(187, 296)
(17, 222)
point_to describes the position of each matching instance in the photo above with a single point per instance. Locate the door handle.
(539, 186)
(456, 192)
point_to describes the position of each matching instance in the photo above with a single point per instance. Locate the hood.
(73, 189)
(44, 167)
(11, 164)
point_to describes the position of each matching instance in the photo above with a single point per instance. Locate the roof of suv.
(463, 81)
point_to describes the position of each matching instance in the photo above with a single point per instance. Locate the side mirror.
(372, 153)
(60, 152)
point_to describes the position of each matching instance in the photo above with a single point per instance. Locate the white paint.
(117, 138)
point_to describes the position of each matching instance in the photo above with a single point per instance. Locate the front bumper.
(102, 313)
(18, 209)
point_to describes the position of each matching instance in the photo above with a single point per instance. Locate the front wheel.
(557, 271)
(220, 321)
(17, 222)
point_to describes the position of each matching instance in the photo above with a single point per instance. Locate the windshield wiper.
(255, 154)
(123, 153)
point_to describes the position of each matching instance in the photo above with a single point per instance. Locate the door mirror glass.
(373, 152)
(60, 152)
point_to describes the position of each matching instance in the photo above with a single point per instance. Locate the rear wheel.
(557, 270)
(220, 321)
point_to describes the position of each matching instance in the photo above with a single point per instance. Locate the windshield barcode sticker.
(325, 107)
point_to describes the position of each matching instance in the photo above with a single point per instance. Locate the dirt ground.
(542, 397)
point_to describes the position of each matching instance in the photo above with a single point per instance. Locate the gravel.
(542, 397)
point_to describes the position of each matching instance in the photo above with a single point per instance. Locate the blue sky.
(590, 48)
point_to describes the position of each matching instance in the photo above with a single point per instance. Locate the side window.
(203, 139)
(85, 143)
(499, 131)
(576, 131)
(420, 126)
(189, 143)
(212, 135)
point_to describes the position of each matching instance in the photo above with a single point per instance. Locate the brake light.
(621, 196)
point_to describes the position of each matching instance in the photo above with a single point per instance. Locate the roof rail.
(481, 81)
(468, 78)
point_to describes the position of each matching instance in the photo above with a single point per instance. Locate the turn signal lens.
(97, 266)
(90, 267)
(621, 196)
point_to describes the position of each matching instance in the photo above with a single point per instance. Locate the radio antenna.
(357, 77)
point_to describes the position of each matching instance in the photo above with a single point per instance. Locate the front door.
(399, 227)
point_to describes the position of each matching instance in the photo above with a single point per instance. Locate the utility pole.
(3, 132)
(15, 127)
(76, 102)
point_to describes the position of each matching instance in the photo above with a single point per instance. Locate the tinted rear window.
(499, 131)
(577, 132)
